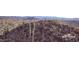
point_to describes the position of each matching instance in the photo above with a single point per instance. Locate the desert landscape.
(38, 29)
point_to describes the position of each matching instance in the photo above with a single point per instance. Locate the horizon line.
(41, 16)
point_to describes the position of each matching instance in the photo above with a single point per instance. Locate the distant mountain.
(38, 18)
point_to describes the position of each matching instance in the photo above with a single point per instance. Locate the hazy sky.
(60, 8)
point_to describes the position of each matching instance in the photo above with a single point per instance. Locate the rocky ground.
(41, 31)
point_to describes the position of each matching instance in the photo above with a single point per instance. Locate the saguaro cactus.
(30, 30)
(43, 30)
(33, 31)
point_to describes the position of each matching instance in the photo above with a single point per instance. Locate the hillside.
(41, 31)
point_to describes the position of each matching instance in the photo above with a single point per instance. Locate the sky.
(59, 8)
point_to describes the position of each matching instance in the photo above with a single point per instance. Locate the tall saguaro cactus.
(30, 28)
(43, 30)
(33, 31)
